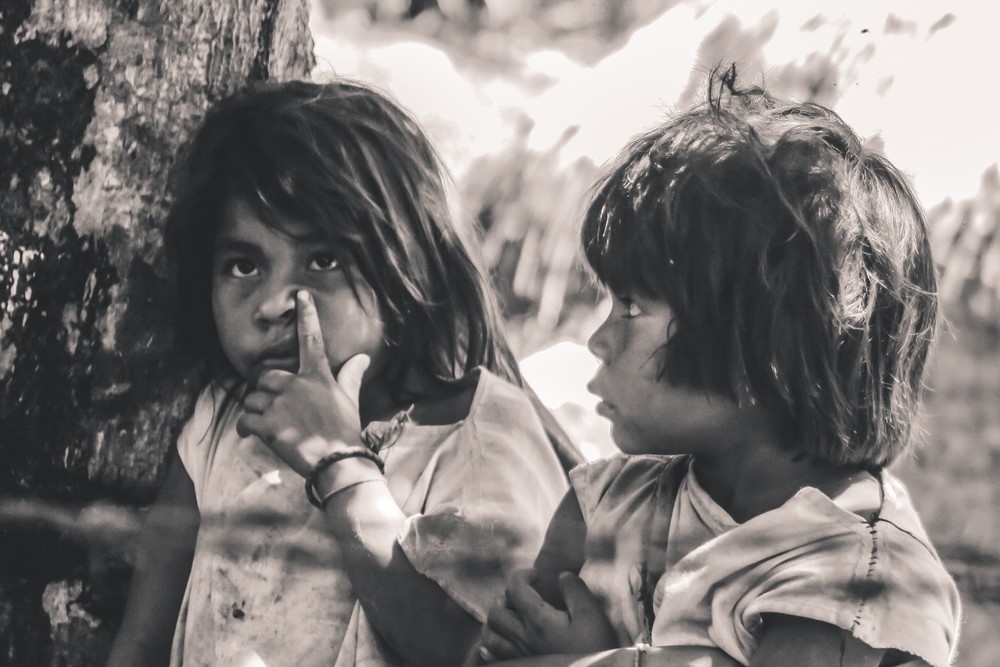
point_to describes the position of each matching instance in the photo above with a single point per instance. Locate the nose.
(277, 305)
(598, 342)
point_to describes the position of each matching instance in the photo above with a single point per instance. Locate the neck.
(755, 475)
(381, 400)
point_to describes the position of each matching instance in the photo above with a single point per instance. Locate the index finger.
(312, 353)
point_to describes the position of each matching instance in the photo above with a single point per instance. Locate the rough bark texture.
(95, 98)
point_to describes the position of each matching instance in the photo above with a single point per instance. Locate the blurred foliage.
(528, 210)
(966, 239)
(581, 27)
(529, 201)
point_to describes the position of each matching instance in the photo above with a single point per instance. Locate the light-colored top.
(874, 575)
(267, 585)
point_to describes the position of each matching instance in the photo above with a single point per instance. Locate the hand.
(306, 415)
(528, 625)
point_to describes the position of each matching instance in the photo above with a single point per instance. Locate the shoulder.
(214, 406)
(877, 577)
(914, 574)
(623, 479)
(503, 431)
(207, 406)
(625, 470)
(498, 399)
(480, 395)
(497, 407)
(212, 417)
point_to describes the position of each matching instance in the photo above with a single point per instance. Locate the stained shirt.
(267, 585)
(874, 575)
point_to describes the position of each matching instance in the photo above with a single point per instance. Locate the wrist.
(343, 473)
(340, 471)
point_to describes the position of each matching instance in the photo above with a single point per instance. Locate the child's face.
(650, 416)
(257, 269)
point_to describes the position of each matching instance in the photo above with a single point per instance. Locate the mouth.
(284, 363)
(603, 408)
(283, 355)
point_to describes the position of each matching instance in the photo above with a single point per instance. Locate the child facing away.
(365, 465)
(774, 299)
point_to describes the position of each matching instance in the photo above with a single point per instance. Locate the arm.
(550, 610)
(675, 656)
(411, 612)
(563, 548)
(791, 640)
(787, 640)
(163, 563)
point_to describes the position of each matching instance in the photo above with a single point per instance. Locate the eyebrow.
(232, 243)
(236, 243)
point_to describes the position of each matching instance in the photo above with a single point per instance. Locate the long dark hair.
(349, 160)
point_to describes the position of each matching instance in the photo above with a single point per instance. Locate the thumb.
(579, 600)
(351, 373)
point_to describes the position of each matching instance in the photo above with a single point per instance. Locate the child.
(348, 334)
(773, 304)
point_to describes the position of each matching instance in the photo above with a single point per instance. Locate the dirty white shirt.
(876, 576)
(267, 585)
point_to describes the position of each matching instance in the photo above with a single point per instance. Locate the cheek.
(233, 326)
(351, 328)
(223, 316)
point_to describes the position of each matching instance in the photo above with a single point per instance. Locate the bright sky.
(921, 81)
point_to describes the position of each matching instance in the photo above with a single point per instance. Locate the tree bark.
(96, 97)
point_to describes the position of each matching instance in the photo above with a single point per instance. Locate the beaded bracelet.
(329, 460)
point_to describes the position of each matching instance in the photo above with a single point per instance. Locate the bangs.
(624, 230)
(280, 172)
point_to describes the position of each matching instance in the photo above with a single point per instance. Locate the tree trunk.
(95, 98)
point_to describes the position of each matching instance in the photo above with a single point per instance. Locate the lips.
(283, 355)
(285, 363)
(603, 408)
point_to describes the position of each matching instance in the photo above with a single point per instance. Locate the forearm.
(676, 656)
(562, 549)
(410, 611)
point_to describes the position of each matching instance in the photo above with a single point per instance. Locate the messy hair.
(348, 160)
(795, 259)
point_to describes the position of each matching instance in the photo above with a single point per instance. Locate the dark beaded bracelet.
(334, 457)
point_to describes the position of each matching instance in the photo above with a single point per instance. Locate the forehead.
(241, 222)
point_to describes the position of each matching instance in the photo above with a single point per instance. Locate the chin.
(625, 442)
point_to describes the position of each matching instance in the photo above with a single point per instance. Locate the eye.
(629, 307)
(323, 261)
(239, 268)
